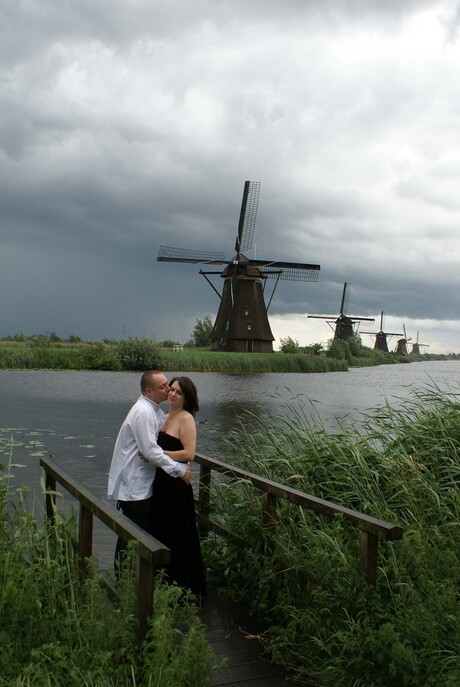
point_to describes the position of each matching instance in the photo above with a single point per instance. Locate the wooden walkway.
(235, 637)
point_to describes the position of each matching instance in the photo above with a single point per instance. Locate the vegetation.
(201, 335)
(51, 353)
(325, 624)
(60, 630)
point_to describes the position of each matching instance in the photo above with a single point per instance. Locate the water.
(75, 416)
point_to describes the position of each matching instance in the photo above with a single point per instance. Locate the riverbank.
(142, 354)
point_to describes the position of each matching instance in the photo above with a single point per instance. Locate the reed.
(325, 625)
(216, 361)
(59, 630)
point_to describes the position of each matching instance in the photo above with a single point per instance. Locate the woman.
(173, 509)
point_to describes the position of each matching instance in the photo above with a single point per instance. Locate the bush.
(96, 355)
(138, 354)
(289, 345)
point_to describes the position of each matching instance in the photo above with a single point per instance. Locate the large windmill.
(416, 346)
(241, 323)
(381, 343)
(343, 325)
(401, 344)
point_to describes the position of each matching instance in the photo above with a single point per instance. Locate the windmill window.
(246, 311)
(249, 327)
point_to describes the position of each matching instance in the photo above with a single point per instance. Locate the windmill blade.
(291, 271)
(169, 254)
(248, 215)
(342, 304)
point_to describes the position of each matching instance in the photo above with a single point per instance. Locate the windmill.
(381, 343)
(241, 323)
(401, 344)
(344, 324)
(416, 346)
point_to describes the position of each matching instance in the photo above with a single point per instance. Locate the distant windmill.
(242, 322)
(416, 346)
(381, 343)
(401, 344)
(344, 324)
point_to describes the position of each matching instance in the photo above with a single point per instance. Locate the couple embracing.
(150, 477)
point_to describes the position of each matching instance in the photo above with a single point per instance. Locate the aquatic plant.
(323, 622)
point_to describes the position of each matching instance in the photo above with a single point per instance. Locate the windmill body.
(401, 344)
(344, 325)
(242, 324)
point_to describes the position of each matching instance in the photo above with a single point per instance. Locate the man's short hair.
(148, 379)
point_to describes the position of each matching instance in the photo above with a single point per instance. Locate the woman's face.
(176, 397)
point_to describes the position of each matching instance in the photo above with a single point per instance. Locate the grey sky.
(129, 124)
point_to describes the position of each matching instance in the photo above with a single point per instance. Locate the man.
(130, 477)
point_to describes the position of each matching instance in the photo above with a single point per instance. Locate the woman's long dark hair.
(188, 388)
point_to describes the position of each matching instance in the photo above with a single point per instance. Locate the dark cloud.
(124, 126)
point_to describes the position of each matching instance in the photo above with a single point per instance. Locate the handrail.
(371, 528)
(151, 552)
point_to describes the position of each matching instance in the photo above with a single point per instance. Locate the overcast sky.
(127, 124)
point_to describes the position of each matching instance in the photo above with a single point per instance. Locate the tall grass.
(58, 629)
(216, 361)
(326, 625)
(142, 354)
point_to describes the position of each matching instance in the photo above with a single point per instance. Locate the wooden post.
(85, 536)
(369, 556)
(204, 497)
(269, 508)
(269, 519)
(144, 595)
(50, 498)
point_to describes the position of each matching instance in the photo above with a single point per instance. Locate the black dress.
(174, 524)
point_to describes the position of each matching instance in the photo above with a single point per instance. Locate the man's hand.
(187, 476)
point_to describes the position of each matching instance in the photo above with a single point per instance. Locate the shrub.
(96, 355)
(289, 345)
(138, 354)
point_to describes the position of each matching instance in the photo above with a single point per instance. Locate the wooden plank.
(232, 634)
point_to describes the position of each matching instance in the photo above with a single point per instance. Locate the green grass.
(59, 630)
(325, 624)
(142, 354)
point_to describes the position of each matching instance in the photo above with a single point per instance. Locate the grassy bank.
(58, 630)
(142, 354)
(326, 626)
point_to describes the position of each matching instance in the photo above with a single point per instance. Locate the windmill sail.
(248, 216)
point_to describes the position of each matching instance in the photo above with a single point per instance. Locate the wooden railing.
(371, 529)
(151, 552)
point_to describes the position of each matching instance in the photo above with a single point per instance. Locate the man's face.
(159, 390)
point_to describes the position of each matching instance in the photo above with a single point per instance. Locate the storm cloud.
(128, 125)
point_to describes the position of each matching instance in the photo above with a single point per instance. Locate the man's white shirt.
(130, 477)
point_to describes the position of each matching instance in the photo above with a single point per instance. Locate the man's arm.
(145, 435)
